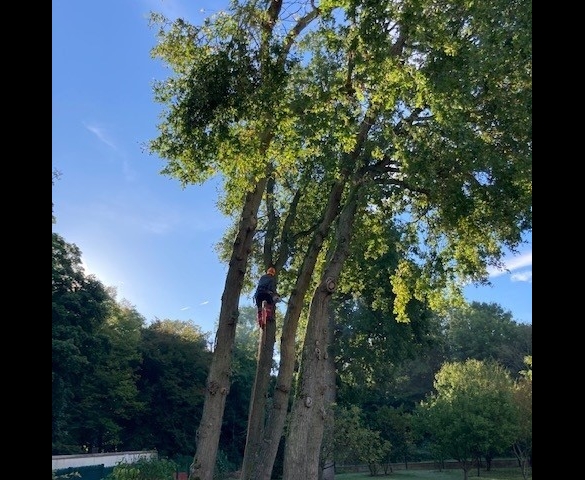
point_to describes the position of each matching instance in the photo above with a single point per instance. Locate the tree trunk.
(303, 441)
(257, 413)
(268, 447)
(328, 469)
(278, 414)
(218, 380)
(305, 434)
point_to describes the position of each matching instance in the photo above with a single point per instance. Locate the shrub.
(144, 469)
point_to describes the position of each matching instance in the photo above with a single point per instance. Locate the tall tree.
(95, 356)
(175, 363)
(80, 307)
(306, 428)
(443, 148)
(223, 109)
(108, 395)
(419, 109)
(486, 332)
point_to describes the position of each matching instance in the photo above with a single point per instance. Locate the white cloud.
(522, 276)
(522, 261)
(103, 137)
(515, 263)
(100, 133)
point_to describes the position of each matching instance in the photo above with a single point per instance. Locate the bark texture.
(258, 401)
(218, 380)
(277, 414)
(308, 415)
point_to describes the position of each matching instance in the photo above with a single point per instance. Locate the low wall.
(106, 459)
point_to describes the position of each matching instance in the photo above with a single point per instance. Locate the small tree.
(356, 443)
(472, 412)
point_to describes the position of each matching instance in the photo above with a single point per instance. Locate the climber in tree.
(266, 290)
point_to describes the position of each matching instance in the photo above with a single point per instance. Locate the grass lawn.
(456, 474)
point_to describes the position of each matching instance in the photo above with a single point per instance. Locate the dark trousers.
(264, 296)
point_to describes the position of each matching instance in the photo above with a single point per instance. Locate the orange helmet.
(271, 271)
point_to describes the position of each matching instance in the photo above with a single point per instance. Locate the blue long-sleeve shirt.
(267, 283)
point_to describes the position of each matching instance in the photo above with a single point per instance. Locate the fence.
(446, 465)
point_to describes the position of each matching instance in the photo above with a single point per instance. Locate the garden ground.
(451, 474)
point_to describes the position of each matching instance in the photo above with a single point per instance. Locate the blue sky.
(139, 231)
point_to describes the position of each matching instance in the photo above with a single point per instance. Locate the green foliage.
(172, 374)
(355, 443)
(375, 355)
(522, 446)
(224, 89)
(395, 425)
(237, 407)
(445, 93)
(80, 307)
(144, 469)
(65, 476)
(121, 385)
(471, 414)
(486, 332)
(527, 373)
